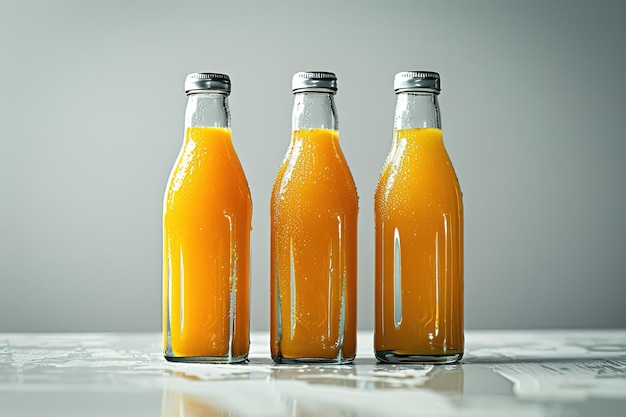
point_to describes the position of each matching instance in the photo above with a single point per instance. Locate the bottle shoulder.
(314, 164)
(417, 169)
(417, 150)
(208, 164)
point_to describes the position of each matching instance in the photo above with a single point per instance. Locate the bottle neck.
(417, 110)
(314, 110)
(207, 109)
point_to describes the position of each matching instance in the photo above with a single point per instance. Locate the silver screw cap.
(315, 81)
(427, 81)
(207, 81)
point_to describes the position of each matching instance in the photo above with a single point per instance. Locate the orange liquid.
(206, 247)
(419, 249)
(314, 251)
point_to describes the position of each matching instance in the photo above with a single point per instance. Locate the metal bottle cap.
(427, 81)
(319, 81)
(207, 81)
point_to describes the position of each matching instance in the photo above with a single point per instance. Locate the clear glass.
(416, 110)
(207, 110)
(314, 210)
(419, 242)
(206, 241)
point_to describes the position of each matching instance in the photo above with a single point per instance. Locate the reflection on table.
(503, 373)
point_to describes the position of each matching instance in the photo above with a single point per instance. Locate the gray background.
(91, 118)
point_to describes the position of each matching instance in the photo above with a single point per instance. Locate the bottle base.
(390, 356)
(208, 359)
(302, 361)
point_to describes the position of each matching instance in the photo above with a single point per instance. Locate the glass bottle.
(419, 234)
(206, 235)
(314, 209)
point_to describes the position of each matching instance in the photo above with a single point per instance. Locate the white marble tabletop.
(504, 373)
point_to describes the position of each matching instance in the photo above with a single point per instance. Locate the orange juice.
(314, 211)
(419, 252)
(206, 231)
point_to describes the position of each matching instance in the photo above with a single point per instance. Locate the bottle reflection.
(443, 379)
(183, 398)
(303, 400)
(447, 379)
(178, 404)
(334, 391)
(310, 390)
(344, 376)
(299, 409)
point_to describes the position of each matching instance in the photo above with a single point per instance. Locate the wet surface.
(540, 373)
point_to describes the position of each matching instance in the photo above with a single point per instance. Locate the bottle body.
(314, 211)
(419, 243)
(206, 244)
